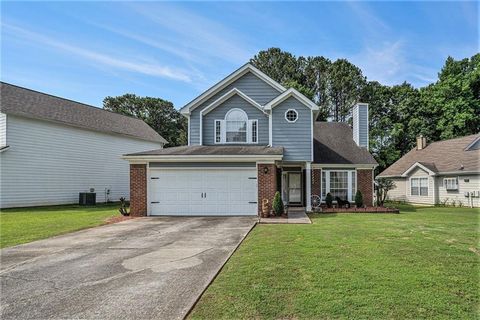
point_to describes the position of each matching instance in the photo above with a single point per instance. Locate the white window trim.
(410, 186)
(223, 129)
(350, 194)
(453, 179)
(290, 121)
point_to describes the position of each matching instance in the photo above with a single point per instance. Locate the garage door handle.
(252, 202)
(155, 202)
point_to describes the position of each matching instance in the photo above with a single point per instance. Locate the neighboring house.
(441, 172)
(53, 148)
(248, 137)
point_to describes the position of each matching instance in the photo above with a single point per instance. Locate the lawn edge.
(220, 270)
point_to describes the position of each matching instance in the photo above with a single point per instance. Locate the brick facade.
(267, 184)
(138, 190)
(365, 185)
(316, 181)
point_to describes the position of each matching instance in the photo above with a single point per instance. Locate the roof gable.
(227, 96)
(229, 80)
(37, 105)
(427, 167)
(291, 93)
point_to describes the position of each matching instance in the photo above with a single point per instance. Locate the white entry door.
(203, 192)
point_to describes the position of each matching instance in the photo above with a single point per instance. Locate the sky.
(86, 51)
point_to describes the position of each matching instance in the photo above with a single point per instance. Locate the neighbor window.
(451, 183)
(419, 186)
(339, 183)
(291, 115)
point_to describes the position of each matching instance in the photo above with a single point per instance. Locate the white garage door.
(203, 192)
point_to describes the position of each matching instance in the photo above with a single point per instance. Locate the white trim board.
(287, 94)
(419, 165)
(228, 80)
(227, 96)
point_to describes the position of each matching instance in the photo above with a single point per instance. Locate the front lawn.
(422, 263)
(28, 224)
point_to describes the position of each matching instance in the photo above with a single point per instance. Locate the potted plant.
(329, 200)
(277, 204)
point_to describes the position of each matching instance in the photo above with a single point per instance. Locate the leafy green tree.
(157, 113)
(277, 204)
(383, 186)
(359, 199)
(279, 65)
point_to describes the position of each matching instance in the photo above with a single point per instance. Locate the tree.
(157, 113)
(359, 199)
(344, 88)
(277, 204)
(383, 186)
(279, 65)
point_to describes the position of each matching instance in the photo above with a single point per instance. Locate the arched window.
(236, 126)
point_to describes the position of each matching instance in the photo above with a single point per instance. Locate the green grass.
(422, 263)
(23, 225)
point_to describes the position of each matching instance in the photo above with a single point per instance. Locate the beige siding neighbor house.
(443, 172)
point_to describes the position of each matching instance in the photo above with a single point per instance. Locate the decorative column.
(308, 184)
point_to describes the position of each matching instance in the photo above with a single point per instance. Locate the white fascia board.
(333, 165)
(472, 143)
(419, 165)
(227, 96)
(228, 80)
(204, 158)
(289, 93)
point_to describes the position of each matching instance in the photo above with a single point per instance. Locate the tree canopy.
(157, 113)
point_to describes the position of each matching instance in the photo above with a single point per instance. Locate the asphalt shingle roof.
(333, 144)
(212, 150)
(33, 104)
(441, 156)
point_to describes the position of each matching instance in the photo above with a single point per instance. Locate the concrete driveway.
(146, 268)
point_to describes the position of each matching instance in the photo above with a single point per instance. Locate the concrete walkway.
(145, 268)
(295, 216)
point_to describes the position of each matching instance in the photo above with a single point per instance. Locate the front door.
(294, 188)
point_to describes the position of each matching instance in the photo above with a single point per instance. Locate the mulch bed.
(116, 219)
(359, 210)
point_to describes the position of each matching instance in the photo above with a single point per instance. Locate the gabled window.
(419, 186)
(236, 128)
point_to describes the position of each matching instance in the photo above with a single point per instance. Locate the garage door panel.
(226, 192)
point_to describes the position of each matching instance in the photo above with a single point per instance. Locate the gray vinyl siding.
(360, 125)
(295, 138)
(250, 84)
(3, 129)
(466, 183)
(219, 114)
(50, 163)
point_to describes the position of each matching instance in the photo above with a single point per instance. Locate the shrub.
(329, 200)
(277, 204)
(358, 199)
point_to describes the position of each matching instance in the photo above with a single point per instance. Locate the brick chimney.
(360, 124)
(421, 142)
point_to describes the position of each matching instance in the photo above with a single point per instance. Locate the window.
(254, 131)
(419, 186)
(218, 131)
(451, 183)
(291, 115)
(236, 126)
(339, 183)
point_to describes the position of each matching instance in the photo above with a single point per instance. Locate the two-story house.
(249, 137)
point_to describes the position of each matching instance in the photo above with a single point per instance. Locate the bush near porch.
(422, 263)
(23, 225)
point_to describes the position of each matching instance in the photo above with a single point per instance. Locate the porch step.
(295, 216)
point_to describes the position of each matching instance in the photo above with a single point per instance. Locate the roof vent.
(421, 142)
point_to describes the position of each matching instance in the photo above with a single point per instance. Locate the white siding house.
(48, 162)
(444, 172)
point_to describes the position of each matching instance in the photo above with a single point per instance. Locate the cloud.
(151, 69)
(387, 63)
(196, 33)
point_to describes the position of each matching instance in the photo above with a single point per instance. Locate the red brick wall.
(365, 185)
(267, 184)
(316, 181)
(138, 190)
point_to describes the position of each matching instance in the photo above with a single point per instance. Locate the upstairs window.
(236, 128)
(291, 115)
